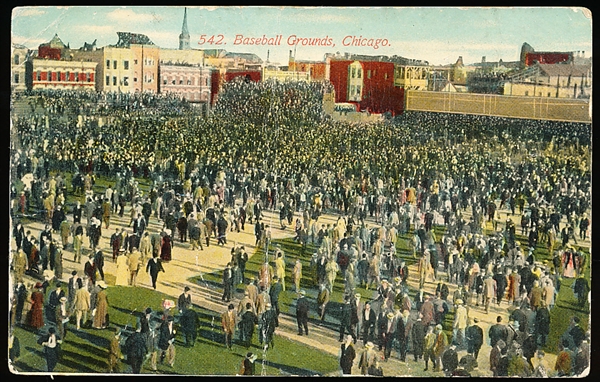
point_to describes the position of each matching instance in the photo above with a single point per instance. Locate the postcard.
(300, 191)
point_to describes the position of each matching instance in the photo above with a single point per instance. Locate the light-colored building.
(411, 77)
(62, 74)
(187, 81)
(552, 80)
(116, 70)
(18, 63)
(145, 67)
(181, 57)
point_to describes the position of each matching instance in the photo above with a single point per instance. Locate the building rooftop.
(565, 70)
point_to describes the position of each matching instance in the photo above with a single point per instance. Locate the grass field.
(86, 351)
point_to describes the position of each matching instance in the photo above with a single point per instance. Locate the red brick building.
(367, 84)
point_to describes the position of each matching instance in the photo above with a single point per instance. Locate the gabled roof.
(56, 42)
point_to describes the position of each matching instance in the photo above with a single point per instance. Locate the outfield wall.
(556, 109)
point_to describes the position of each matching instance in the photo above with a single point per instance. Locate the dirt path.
(187, 264)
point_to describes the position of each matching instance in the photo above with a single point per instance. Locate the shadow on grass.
(286, 369)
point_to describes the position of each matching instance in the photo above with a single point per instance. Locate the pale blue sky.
(438, 35)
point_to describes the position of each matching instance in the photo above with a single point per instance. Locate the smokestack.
(483, 59)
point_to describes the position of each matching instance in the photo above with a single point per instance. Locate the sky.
(434, 34)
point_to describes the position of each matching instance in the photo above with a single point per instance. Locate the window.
(526, 92)
(173, 82)
(359, 73)
(16, 79)
(49, 76)
(134, 79)
(164, 81)
(189, 82)
(135, 62)
(107, 64)
(16, 59)
(68, 76)
(353, 72)
(126, 81)
(114, 64)
(385, 76)
(126, 65)
(114, 81)
(548, 94)
(369, 73)
(107, 80)
(76, 77)
(58, 76)
(89, 77)
(180, 82)
(357, 89)
(39, 76)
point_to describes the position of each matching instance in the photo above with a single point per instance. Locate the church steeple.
(184, 37)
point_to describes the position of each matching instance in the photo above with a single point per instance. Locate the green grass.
(87, 350)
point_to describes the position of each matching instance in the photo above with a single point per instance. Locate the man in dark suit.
(450, 360)
(136, 349)
(387, 332)
(474, 336)
(498, 331)
(54, 301)
(274, 292)
(99, 263)
(369, 320)
(302, 307)
(188, 322)
(154, 266)
(165, 341)
(401, 323)
(184, 302)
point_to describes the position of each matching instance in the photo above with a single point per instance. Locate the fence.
(557, 109)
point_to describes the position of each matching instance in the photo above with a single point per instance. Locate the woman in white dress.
(122, 270)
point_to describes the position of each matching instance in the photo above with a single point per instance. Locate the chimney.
(483, 59)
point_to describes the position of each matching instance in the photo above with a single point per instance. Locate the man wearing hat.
(367, 358)
(441, 342)
(165, 341)
(302, 307)
(248, 366)
(50, 343)
(54, 302)
(346, 319)
(387, 332)
(229, 324)
(62, 315)
(267, 323)
(184, 301)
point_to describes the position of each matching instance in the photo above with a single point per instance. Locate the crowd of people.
(269, 145)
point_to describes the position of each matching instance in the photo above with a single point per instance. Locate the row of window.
(59, 77)
(357, 73)
(189, 81)
(147, 62)
(114, 62)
